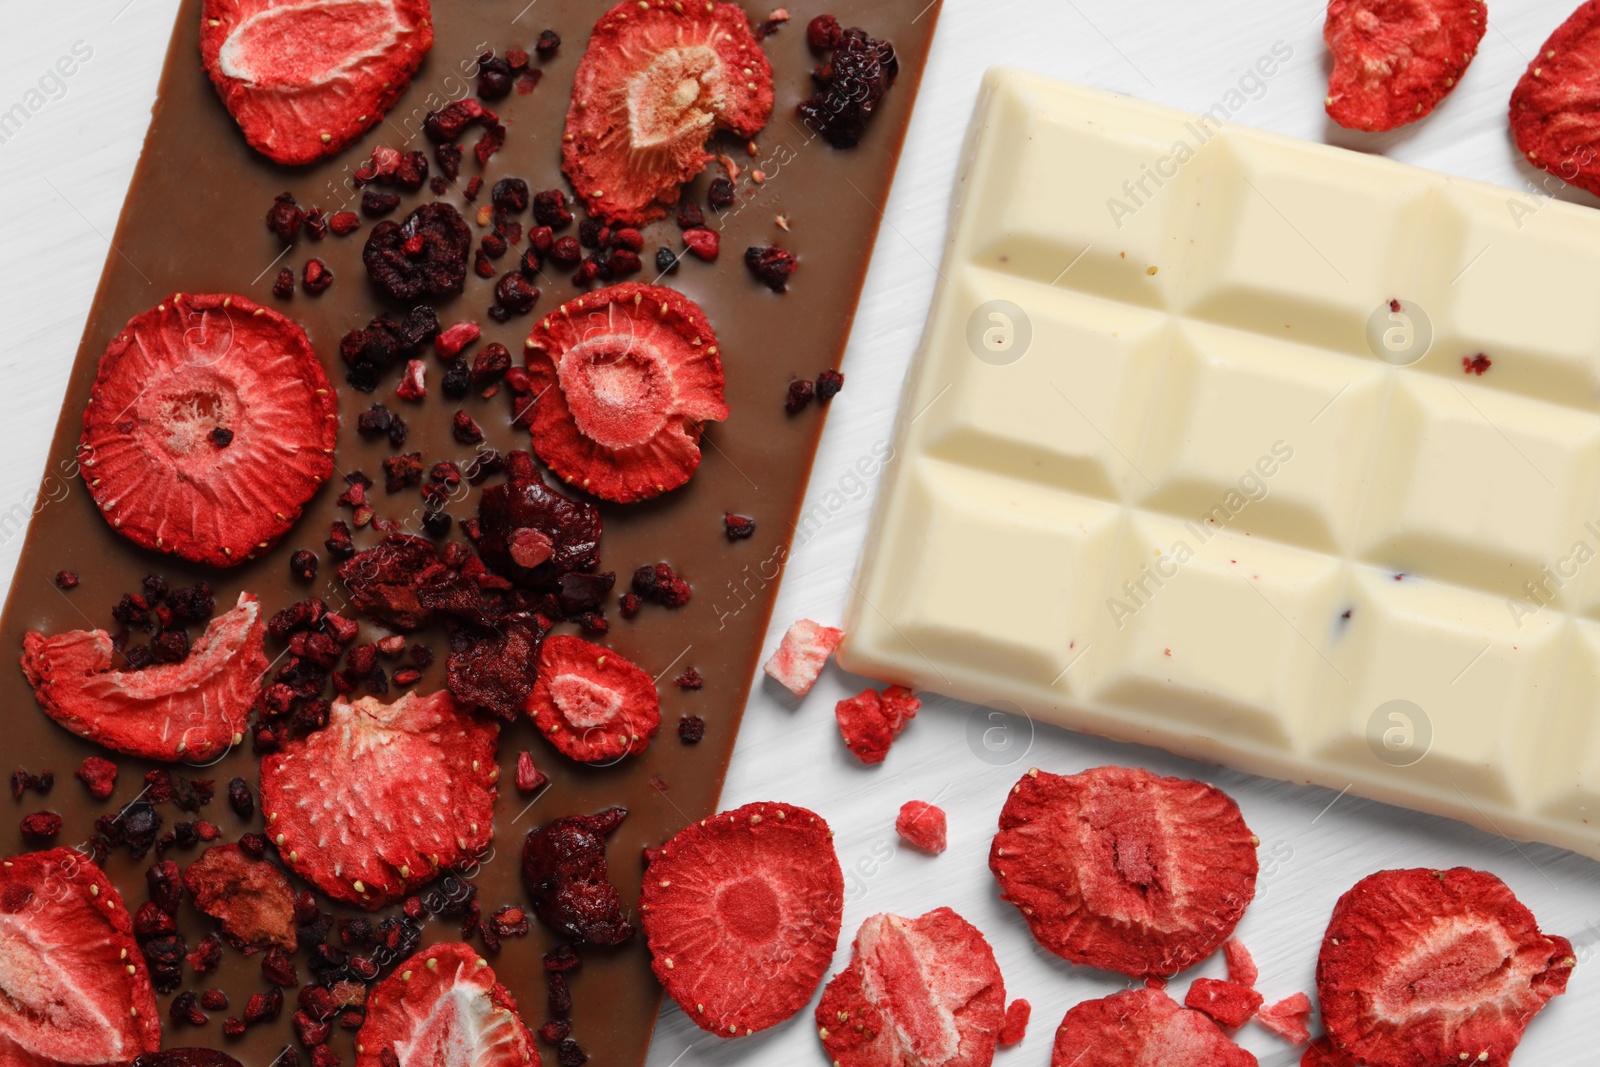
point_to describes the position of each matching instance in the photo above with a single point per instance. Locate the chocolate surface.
(193, 222)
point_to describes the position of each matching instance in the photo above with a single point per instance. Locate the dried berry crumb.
(548, 42)
(661, 584)
(99, 775)
(691, 729)
(738, 527)
(344, 223)
(772, 266)
(829, 382)
(464, 429)
(703, 243)
(690, 679)
(801, 390)
(517, 295)
(66, 580)
(303, 564)
(316, 224)
(214, 1000)
(285, 217)
(283, 288)
(1476, 364)
(41, 826)
(317, 277)
(375, 204)
(823, 33)
(720, 193)
(220, 437)
(570, 1054)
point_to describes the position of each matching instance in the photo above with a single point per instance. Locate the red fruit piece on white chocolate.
(801, 654)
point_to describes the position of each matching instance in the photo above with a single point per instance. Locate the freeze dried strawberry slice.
(1230, 1003)
(1423, 966)
(592, 703)
(305, 78)
(73, 984)
(624, 379)
(190, 710)
(444, 1006)
(658, 79)
(1120, 869)
(1142, 1028)
(1288, 1018)
(1553, 116)
(801, 655)
(742, 911)
(384, 798)
(1394, 60)
(177, 373)
(923, 990)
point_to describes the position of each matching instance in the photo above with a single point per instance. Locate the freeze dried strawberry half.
(249, 897)
(190, 710)
(624, 379)
(591, 703)
(1394, 60)
(150, 454)
(742, 912)
(1423, 966)
(75, 986)
(384, 798)
(1121, 869)
(923, 990)
(1142, 1028)
(1553, 117)
(658, 79)
(444, 1006)
(798, 660)
(305, 78)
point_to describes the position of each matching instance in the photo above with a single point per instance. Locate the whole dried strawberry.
(564, 872)
(1423, 966)
(655, 82)
(425, 255)
(1120, 869)
(742, 915)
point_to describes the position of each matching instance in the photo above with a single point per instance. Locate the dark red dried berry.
(303, 564)
(263, 1007)
(240, 798)
(772, 266)
(823, 33)
(316, 224)
(494, 77)
(99, 774)
(628, 605)
(185, 1008)
(622, 263)
(829, 382)
(566, 251)
(801, 390)
(690, 217)
(564, 872)
(277, 966)
(738, 527)
(205, 958)
(852, 84)
(66, 580)
(344, 223)
(284, 218)
(691, 728)
(375, 204)
(560, 993)
(317, 277)
(283, 287)
(426, 255)
(214, 1000)
(493, 139)
(464, 429)
(719, 194)
(550, 209)
(548, 42)
(41, 826)
(570, 1054)
(165, 885)
(233, 1027)
(150, 921)
(518, 295)
(253, 845)
(690, 679)
(339, 544)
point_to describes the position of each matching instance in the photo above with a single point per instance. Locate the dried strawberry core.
(584, 703)
(298, 46)
(620, 393)
(1461, 960)
(749, 909)
(675, 97)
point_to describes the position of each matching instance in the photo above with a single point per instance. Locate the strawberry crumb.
(1476, 364)
(922, 826)
(800, 656)
(689, 679)
(66, 580)
(1288, 1018)
(100, 775)
(691, 728)
(529, 778)
(1016, 1025)
(1241, 967)
(738, 527)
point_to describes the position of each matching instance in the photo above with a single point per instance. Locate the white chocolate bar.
(1172, 469)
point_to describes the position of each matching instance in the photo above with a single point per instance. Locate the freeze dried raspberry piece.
(249, 897)
(1229, 1003)
(192, 710)
(76, 987)
(1394, 60)
(1241, 966)
(1422, 966)
(1552, 114)
(305, 78)
(624, 380)
(922, 825)
(1121, 869)
(189, 366)
(742, 912)
(923, 990)
(1015, 1028)
(1288, 1018)
(657, 80)
(1141, 1027)
(423, 256)
(870, 721)
(384, 798)
(444, 1006)
(800, 656)
(591, 703)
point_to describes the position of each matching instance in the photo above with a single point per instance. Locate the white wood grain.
(62, 179)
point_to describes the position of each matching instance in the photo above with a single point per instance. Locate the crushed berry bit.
(491, 142)
(662, 585)
(375, 421)
(438, 185)
(589, 233)
(375, 204)
(205, 958)
(549, 41)
(690, 679)
(494, 77)
(317, 277)
(316, 224)
(41, 826)
(1476, 364)
(720, 193)
(233, 1027)
(628, 605)
(518, 295)
(303, 565)
(220, 437)
(493, 245)
(482, 264)
(240, 799)
(801, 390)
(277, 967)
(448, 156)
(283, 287)
(550, 209)
(690, 217)
(622, 263)
(691, 729)
(214, 1000)
(492, 362)
(851, 85)
(414, 383)
(344, 223)
(560, 993)
(132, 610)
(284, 218)
(738, 527)
(339, 544)
(666, 261)
(823, 33)
(510, 194)
(570, 1054)
(170, 646)
(99, 774)
(263, 1007)
(772, 266)
(66, 580)
(464, 429)
(829, 382)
